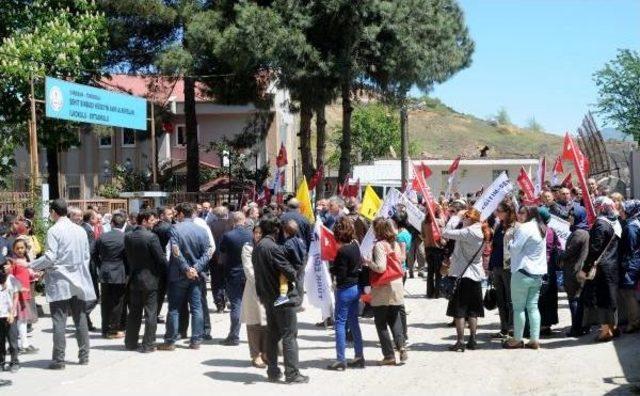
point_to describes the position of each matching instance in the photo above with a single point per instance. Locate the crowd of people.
(254, 259)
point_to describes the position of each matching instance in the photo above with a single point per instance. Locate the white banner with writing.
(493, 195)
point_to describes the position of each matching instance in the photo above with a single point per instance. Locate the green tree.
(619, 92)
(375, 133)
(534, 126)
(502, 117)
(60, 38)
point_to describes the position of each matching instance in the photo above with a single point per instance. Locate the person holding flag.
(453, 171)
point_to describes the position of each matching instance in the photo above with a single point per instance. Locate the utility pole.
(33, 145)
(404, 145)
(154, 154)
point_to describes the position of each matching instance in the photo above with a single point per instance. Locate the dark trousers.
(162, 292)
(140, 300)
(111, 307)
(577, 314)
(501, 279)
(8, 333)
(282, 324)
(434, 262)
(90, 305)
(388, 317)
(217, 285)
(235, 288)
(59, 312)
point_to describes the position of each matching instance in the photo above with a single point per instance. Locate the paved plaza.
(562, 367)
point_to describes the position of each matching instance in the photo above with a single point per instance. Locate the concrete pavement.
(563, 366)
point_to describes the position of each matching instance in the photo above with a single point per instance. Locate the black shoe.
(207, 337)
(451, 324)
(57, 366)
(229, 342)
(5, 382)
(457, 347)
(148, 349)
(356, 363)
(131, 348)
(298, 379)
(14, 367)
(220, 308)
(500, 335)
(93, 329)
(472, 344)
(84, 362)
(161, 319)
(337, 366)
(274, 378)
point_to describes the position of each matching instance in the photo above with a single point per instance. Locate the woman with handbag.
(387, 292)
(528, 264)
(346, 269)
(601, 271)
(466, 266)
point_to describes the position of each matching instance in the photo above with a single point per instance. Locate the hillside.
(444, 133)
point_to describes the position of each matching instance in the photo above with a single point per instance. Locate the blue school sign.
(82, 103)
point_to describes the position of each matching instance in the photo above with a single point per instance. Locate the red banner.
(526, 185)
(282, 160)
(571, 152)
(328, 245)
(566, 182)
(429, 202)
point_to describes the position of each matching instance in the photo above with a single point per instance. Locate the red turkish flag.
(315, 179)
(328, 244)
(281, 160)
(581, 165)
(454, 166)
(566, 182)
(526, 185)
(426, 173)
(557, 167)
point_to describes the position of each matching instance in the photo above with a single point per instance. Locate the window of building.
(104, 141)
(128, 137)
(181, 135)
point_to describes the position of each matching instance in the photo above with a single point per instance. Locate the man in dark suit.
(87, 218)
(112, 268)
(269, 261)
(147, 266)
(231, 246)
(163, 230)
(219, 224)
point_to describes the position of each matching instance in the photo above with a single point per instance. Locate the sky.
(536, 58)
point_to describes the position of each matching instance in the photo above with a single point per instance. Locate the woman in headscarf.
(600, 293)
(571, 261)
(630, 263)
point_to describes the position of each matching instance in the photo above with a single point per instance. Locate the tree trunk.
(345, 145)
(306, 157)
(52, 170)
(321, 136)
(193, 151)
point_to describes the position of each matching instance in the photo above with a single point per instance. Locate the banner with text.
(82, 103)
(493, 195)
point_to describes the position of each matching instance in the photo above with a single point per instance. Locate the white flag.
(493, 195)
(415, 217)
(317, 280)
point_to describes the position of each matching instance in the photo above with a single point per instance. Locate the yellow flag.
(371, 204)
(304, 197)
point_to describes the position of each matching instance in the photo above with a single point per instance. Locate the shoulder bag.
(449, 285)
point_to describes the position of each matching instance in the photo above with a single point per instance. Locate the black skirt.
(467, 300)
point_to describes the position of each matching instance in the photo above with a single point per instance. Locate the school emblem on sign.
(56, 99)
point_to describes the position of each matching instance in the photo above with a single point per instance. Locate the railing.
(13, 203)
(215, 197)
(100, 205)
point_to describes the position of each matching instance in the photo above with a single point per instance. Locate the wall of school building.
(472, 174)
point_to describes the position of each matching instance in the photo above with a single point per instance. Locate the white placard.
(493, 195)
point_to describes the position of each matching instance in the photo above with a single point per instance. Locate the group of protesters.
(255, 257)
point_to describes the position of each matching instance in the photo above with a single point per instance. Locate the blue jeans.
(525, 291)
(347, 301)
(234, 289)
(179, 291)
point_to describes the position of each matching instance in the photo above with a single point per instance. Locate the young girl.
(9, 288)
(21, 271)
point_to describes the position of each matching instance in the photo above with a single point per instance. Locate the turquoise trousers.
(525, 291)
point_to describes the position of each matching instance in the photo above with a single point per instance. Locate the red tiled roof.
(156, 88)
